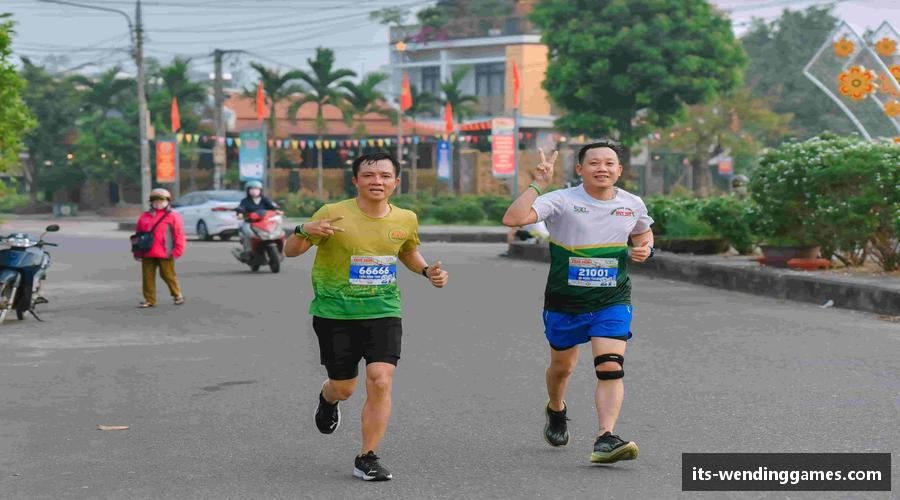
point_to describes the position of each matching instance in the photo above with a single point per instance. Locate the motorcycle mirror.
(52, 228)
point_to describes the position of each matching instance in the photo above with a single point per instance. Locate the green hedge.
(724, 217)
(11, 201)
(841, 193)
(468, 209)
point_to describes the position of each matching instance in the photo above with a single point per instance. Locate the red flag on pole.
(448, 118)
(176, 117)
(260, 102)
(405, 94)
(516, 85)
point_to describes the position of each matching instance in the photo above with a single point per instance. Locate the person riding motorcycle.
(255, 201)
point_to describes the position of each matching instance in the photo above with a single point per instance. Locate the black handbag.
(142, 241)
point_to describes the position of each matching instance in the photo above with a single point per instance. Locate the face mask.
(160, 204)
(255, 193)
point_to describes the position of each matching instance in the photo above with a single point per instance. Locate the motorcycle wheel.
(20, 315)
(225, 237)
(274, 258)
(5, 299)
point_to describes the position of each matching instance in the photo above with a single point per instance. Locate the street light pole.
(137, 40)
(220, 161)
(143, 115)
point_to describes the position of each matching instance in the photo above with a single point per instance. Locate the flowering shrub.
(842, 193)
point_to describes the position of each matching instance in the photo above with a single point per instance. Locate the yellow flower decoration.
(856, 83)
(892, 109)
(843, 48)
(895, 70)
(886, 85)
(886, 47)
(897, 140)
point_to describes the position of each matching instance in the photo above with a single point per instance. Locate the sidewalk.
(875, 294)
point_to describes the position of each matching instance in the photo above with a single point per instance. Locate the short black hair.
(615, 146)
(373, 158)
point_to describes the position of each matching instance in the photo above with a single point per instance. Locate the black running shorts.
(343, 342)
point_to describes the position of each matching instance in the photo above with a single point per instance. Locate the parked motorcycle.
(266, 241)
(23, 268)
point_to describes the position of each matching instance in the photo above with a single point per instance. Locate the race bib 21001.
(593, 272)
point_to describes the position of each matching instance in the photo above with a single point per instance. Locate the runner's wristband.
(300, 232)
(425, 271)
(536, 188)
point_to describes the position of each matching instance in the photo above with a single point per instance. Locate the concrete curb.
(774, 283)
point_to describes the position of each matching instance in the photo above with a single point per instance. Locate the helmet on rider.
(160, 194)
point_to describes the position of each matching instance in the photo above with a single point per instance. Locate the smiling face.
(376, 181)
(600, 168)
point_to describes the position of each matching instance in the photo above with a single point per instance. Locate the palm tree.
(462, 108)
(278, 88)
(172, 81)
(324, 84)
(361, 99)
(422, 102)
(102, 96)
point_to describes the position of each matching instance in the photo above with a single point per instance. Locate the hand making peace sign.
(323, 227)
(543, 173)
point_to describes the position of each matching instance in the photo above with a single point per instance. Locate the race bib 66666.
(373, 270)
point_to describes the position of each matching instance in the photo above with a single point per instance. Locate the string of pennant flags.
(303, 144)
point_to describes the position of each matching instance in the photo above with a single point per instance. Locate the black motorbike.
(23, 267)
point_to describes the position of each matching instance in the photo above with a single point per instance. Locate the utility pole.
(219, 147)
(219, 157)
(143, 115)
(137, 40)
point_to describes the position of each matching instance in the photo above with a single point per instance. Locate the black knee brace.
(604, 375)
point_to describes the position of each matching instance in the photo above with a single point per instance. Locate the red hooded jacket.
(168, 238)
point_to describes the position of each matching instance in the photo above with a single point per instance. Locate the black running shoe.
(610, 448)
(556, 431)
(367, 468)
(328, 416)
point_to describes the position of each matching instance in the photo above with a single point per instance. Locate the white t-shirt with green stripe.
(589, 247)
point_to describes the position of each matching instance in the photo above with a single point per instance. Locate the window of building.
(490, 79)
(431, 79)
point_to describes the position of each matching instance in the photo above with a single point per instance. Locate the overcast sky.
(281, 32)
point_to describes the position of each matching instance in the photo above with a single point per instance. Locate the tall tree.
(55, 103)
(736, 123)
(422, 102)
(15, 119)
(462, 105)
(174, 82)
(104, 147)
(778, 52)
(324, 83)
(279, 88)
(624, 67)
(361, 99)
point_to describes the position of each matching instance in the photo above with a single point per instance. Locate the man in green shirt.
(356, 309)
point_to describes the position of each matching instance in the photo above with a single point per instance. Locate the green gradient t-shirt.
(354, 274)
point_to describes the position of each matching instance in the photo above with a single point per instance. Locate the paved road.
(219, 393)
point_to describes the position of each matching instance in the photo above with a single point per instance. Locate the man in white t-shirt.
(588, 293)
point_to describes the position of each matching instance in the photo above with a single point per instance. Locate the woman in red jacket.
(168, 245)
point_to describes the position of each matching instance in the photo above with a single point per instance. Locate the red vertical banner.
(517, 84)
(175, 116)
(166, 160)
(406, 101)
(448, 118)
(260, 102)
(503, 147)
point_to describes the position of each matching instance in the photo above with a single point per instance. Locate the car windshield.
(225, 195)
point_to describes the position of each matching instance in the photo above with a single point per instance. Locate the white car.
(210, 213)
